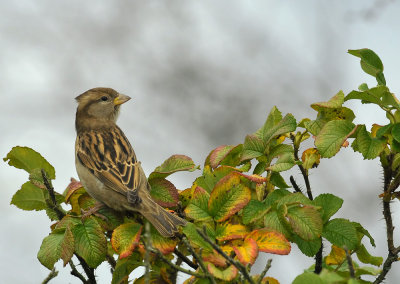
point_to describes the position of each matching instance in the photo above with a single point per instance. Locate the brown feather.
(107, 164)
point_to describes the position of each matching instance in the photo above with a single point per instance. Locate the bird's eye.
(104, 98)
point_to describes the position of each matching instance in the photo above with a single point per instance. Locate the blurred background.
(201, 74)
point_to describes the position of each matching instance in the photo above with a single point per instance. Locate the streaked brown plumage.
(106, 163)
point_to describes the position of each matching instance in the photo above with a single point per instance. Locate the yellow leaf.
(336, 256)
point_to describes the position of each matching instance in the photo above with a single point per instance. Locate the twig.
(53, 273)
(174, 266)
(294, 184)
(53, 205)
(303, 171)
(235, 263)
(185, 259)
(350, 263)
(199, 261)
(111, 261)
(265, 270)
(147, 253)
(76, 273)
(89, 271)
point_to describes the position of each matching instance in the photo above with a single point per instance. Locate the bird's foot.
(93, 211)
(133, 197)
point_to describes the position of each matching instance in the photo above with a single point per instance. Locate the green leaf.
(274, 117)
(273, 222)
(27, 159)
(372, 96)
(384, 130)
(365, 257)
(59, 244)
(173, 164)
(332, 136)
(164, 192)
(369, 147)
(309, 248)
(361, 230)
(285, 162)
(277, 180)
(335, 102)
(276, 195)
(198, 206)
(287, 124)
(329, 203)
(296, 197)
(305, 222)
(279, 150)
(190, 230)
(370, 63)
(253, 211)
(125, 266)
(90, 242)
(29, 197)
(253, 147)
(308, 278)
(228, 197)
(341, 232)
(315, 126)
(396, 132)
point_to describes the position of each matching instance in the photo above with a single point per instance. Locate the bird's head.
(98, 108)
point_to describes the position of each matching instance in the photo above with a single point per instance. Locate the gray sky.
(201, 74)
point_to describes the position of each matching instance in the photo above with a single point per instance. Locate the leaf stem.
(53, 273)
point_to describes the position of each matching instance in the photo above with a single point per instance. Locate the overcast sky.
(201, 74)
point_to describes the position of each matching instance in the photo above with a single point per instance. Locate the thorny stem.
(393, 252)
(76, 273)
(235, 263)
(294, 184)
(53, 205)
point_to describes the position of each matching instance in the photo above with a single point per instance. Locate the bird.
(106, 162)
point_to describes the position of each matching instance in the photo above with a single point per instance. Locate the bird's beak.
(121, 99)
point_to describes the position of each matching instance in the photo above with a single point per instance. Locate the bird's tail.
(165, 222)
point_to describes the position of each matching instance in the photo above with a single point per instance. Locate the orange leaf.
(228, 197)
(270, 241)
(336, 256)
(125, 238)
(247, 252)
(164, 245)
(255, 178)
(227, 274)
(231, 232)
(215, 258)
(269, 280)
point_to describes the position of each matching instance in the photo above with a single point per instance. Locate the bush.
(238, 207)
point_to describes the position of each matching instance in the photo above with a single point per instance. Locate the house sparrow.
(107, 165)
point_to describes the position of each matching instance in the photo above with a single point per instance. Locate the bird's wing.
(110, 157)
